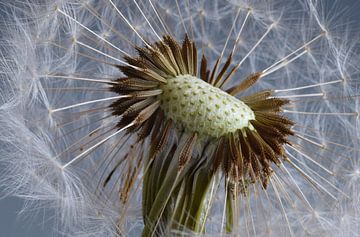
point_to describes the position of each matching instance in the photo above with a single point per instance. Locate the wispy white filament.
(59, 60)
(80, 156)
(88, 102)
(91, 31)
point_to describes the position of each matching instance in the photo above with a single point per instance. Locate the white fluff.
(34, 141)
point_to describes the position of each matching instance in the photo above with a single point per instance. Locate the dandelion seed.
(161, 118)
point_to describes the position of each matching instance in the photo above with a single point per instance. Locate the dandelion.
(182, 118)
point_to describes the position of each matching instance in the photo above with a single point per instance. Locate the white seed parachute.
(57, 137)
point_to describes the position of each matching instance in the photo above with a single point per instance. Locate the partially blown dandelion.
(165, 118)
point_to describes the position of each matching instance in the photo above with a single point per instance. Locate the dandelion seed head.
(63, 143)
(229, 114)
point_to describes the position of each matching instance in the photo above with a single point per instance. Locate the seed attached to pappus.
(165, 94)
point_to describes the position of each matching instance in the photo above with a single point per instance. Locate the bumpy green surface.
(202, 108)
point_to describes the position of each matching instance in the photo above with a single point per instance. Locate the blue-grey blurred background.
(28, 225)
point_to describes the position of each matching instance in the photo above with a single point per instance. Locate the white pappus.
(84, 132)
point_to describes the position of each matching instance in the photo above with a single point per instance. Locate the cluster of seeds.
(163, 94)
(202, 108)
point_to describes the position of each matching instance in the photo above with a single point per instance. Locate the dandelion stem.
(208, 206)
(230, 209)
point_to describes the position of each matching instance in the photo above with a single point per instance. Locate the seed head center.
(203, 108)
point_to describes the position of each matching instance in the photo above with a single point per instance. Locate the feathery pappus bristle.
(182, 118)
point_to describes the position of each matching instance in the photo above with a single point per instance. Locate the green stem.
(173, 199)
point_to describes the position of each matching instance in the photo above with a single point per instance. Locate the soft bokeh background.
(40, 225)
